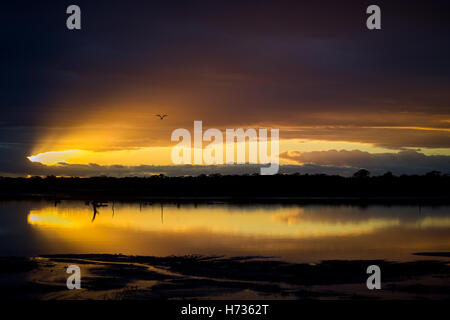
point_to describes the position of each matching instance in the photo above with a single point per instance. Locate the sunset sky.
(344, 97)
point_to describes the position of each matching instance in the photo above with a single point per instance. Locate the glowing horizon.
(161, 155)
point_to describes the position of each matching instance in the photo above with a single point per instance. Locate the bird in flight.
(161, 116)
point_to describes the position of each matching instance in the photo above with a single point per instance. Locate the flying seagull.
(161, 116)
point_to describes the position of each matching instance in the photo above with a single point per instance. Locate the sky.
(83, 102)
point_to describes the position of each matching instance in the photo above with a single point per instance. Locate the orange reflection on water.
(257, 222)
(287, 231)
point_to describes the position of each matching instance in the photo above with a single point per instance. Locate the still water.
(298, 233)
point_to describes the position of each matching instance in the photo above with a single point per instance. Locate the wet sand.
(119, 277)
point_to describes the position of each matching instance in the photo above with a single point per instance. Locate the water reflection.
(296, 233)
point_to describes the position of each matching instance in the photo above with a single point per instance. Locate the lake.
(296, 233)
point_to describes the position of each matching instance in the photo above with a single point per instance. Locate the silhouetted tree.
(388, 175)
(433, 173)
(363, 173)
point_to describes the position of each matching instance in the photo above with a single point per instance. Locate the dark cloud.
(331, 162)
(232, 63)
(389, 137)
(24, 168)
(403, 162)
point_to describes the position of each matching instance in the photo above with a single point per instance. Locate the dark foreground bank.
(119, 277)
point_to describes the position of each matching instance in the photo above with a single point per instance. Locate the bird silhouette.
(161, 116)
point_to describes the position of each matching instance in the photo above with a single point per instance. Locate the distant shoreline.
(242, 200)
(432, 188)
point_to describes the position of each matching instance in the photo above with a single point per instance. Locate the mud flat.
(119, 277)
